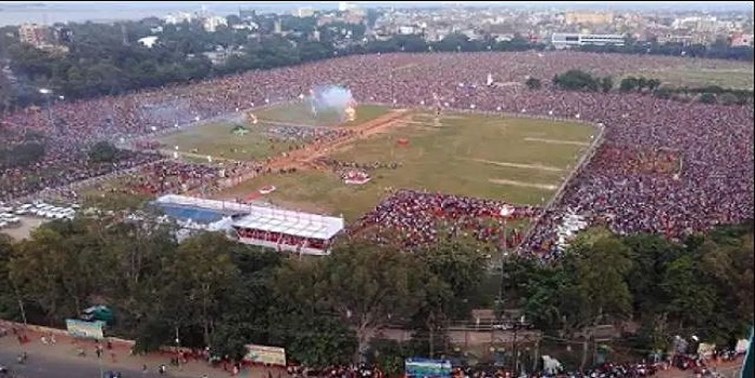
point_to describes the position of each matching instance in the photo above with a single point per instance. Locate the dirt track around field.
(302, 159)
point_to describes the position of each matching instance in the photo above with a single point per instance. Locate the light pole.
(23, 315)
(47, 92)
(393, 97)
(99, 361)
(506, 212)
(178, 349)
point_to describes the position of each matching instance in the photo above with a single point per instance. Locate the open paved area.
(61, 360)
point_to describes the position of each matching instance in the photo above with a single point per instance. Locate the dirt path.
(301, 159)
(523, 184)
(555, 141)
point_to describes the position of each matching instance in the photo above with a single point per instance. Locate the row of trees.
(702, 287)
(577, 80)
(720, 49)
(213, 291)
(709, 95)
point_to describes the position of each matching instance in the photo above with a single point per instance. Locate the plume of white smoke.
(331, 98)
(168, 112)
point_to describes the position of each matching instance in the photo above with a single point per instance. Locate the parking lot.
(20, 220)
(24, 228)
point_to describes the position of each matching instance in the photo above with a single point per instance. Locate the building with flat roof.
(592, 18)
(34, 34)
(565, 40)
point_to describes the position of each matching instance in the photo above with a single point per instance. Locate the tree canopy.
(218, 293)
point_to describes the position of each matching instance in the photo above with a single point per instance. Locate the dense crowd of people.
(336, 371)
(711, 143)
(306, 134)
(338, 165)
(62, 165)
(415, 219)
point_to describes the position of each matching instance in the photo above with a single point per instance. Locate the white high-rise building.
(304, 12)
(179, 17)
(344, 6)
(212, 23)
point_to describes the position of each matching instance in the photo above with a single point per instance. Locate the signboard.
(261, 354)
(80, 328)
(422, 367)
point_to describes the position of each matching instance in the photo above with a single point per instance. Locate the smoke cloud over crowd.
(331, 98)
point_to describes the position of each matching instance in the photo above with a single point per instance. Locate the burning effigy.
(351, 111)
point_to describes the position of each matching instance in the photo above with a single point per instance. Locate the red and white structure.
(282, 230)
(286, 230)
(355, 177)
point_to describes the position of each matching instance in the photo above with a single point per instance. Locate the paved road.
(44, 366)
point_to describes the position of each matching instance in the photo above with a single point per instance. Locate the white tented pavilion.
(287, 230)
(283, 230)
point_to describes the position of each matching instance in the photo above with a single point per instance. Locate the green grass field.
(733, 75)
(518, 160)
(218, 141)
(300, 113)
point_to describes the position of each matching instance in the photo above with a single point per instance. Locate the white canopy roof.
(268, 219)
(291, 223)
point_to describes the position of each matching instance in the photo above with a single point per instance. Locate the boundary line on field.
(538, 167)
(581, 163)
(586, 157)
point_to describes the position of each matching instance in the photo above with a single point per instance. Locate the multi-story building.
(564, 40)
(33, 34)
(304, 12)
(741, 40)
(345, 6)
(597, 18)
(178, 18)
(62, 35)
(684, 38)
(212, 23)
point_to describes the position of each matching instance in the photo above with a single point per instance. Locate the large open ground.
(518, 160)
(220, 142)
(300, 113)
(726, 74)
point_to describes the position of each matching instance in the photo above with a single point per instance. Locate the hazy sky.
(48, 12)
(644, 4)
